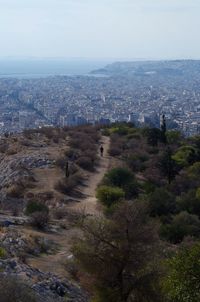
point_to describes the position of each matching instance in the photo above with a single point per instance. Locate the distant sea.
(34, 68)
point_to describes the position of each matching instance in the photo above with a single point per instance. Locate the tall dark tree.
(168, 165)
(153, 136)
(163, 129)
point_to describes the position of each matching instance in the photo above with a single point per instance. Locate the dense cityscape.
(139, 92)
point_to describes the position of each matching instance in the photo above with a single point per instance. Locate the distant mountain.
(145, 68)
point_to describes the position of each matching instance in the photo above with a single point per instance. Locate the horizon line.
(114, 59)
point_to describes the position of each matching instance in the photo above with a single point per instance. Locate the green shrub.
(109, 195)
(124, 179)
(35, 206)
(161, 202)
(186, 155)
(118, 177)
(189, 202)
(2, 253)
(182, 225)
(181, 283)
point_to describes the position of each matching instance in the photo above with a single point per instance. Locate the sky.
(100, 29)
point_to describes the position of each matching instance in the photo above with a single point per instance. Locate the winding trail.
(89, 203)
(55, 262)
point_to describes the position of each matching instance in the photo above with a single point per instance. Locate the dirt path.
(89, 203)
(55, 263)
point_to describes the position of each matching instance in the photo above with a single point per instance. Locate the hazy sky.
(100, 28)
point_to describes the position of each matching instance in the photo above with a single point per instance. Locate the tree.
(182, 283)
(190, 202)
(182, 225)
(120, 253)
(163, 129)
(161, 202)
(173, 137)
(168, 165)
(153, 136)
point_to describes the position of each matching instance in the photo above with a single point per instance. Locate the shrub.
(72, 268)
(65, 186)
(13, 290)
(124, 179)
(61, 162)
(118, 177)
(183, 275)
(35, 206)
(135, 163)
(161, 202)
(12, 151)
(68, 185)
(60, 213)
(15, 191)
(182, 225)
(3, 148)
(86, 163)
(2, 253)
(186, 155)
(115, 151)
(109, 195)
(189, 202)
(72, 154)
(39, 219)
(91, 154)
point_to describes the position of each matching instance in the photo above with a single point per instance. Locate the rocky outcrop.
(47, 286)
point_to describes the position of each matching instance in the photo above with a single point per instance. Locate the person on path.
(101, 150)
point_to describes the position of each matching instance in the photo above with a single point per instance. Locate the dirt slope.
(54, 263)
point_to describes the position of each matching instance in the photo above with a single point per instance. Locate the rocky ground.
(48, 287)
(29, 170)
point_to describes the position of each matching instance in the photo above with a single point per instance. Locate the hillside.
(79, 226)
(173, 68)
(33, 179)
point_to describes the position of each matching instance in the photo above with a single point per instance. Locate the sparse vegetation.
(86, 163)
(151, 198)
(68, 186)
(14, 290)
(39, 219)
(16, 191)
(35, 206)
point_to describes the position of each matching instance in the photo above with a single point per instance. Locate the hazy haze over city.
(114, 29)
